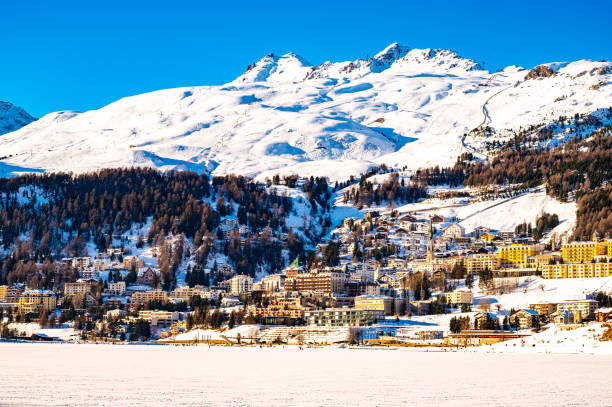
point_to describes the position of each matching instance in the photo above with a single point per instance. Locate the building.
(184, 293)
(32, 301)
(132, 261)
(80, 287)
(81, 262)
(515, 255)
(225, 270)
(603, 314)
(583, 252)
(526, 318)
(241, 284)
(144, 297)
(544, 308)
(375, 302)
(343, 317)
(117, 288)
(89, 274)
(576, 270)
(460, 297)
(480, 262)
(453, 231)
(580, 308)
(273, 282)
(325, 281)
(10, 293)
(562, 317)
(146, 277)
(159, 318)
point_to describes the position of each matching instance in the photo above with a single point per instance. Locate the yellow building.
(35, 300)
(516, 254)
(480, 262)
(576, 270)
(129, 261)
(375, 302)
(584, 252)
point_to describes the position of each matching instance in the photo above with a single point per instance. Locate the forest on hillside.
(46, 217)
(579, 169)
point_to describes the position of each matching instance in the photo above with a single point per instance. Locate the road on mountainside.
(485, 117)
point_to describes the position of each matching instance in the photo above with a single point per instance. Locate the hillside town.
(383, 279)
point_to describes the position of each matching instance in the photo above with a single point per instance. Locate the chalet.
(226, 270)
(603, 314)
(453, 231)
(437, 219)
(146, 277)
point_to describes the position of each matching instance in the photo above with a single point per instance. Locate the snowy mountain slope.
(402, 107)
(13, 117)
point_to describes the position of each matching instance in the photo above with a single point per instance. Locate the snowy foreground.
(116, 375)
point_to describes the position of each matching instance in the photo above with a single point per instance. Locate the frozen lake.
(115, 375)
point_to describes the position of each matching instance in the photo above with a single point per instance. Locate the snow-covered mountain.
(13, 117)
(403, 107)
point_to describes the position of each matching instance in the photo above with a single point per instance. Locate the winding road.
(480, 127)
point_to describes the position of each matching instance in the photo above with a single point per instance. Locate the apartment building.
(515, 255)
(583, 252)
(273, 282)
(583, 308)
(142, 297)
(526, 318)
(133, 261)
(325, 281)
(32, 301)
(544, 308)
(10, 293)
(459, 297)
(184, 293)
(375, 302)
(159, 318)
(117, 288)
(81, 262)
(343, 317)
(480, 262)
(81, 287)
(241, 284)
(576, 270)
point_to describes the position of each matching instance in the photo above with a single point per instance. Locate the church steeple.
(430, 242)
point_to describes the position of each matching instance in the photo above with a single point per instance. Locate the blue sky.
(82, 55)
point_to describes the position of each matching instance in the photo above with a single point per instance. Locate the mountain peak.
(13, 117)
(289, 67)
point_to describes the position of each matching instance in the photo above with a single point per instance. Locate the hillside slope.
(403, 107)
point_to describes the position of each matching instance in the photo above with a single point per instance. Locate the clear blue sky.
(58, 55)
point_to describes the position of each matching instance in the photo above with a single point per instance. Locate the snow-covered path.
(124, 375)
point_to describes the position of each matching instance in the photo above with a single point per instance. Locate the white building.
(453, 231)
(241, 284)
(117, 288)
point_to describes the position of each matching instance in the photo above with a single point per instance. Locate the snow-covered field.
(502, 213)
(115, 375)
